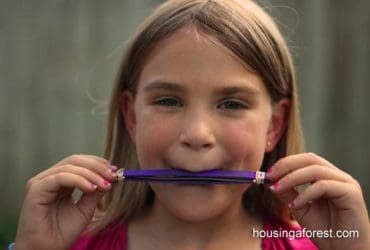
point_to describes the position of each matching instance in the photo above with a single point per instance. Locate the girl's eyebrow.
(157, 85)
(231, 90)
(227, 90)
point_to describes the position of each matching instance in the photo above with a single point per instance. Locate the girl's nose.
(197, 133)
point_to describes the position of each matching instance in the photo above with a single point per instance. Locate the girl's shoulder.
(278, 235)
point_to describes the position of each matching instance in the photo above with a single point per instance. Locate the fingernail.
(275, 186)
(268, 173)
(94, 186)
(113, 172)
(106, 183)
(291, 204)
(113, 167)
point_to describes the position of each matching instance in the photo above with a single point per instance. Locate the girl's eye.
(230, 104)
(169, 101)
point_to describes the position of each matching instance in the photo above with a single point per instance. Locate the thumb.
(288, 198)
(87, 204)
(85, 208)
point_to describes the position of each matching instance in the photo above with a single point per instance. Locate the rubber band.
(186, 177)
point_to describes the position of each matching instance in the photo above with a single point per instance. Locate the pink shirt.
(115, 238)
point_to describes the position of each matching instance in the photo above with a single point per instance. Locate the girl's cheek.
(153, 138)
(243, 143)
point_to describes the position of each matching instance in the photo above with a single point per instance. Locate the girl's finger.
(87, 204)
(77, 158)
(99, 166)
(94, 163)
(52, 184)
(289, 198)
(85, 211)
(340, 194)
(98, 158)
(100, 178)
(309, 175)
(293, 162)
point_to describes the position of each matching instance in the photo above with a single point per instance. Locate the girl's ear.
(128, 112)
(278, 124)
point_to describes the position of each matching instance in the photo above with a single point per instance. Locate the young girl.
(204, 85)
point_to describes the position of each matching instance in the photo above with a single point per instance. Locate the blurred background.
(58, 60)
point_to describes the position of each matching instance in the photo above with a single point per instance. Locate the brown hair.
(252, 36)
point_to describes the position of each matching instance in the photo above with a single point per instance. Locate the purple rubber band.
(185, 177)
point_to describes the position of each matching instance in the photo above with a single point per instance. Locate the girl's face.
(197, 108)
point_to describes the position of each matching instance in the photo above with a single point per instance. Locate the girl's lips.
(200, 165)
(198, 169)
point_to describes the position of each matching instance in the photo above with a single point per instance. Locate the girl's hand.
(50, 218)
(332, 201)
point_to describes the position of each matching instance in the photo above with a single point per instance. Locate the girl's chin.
(192, 213)
(198, 203)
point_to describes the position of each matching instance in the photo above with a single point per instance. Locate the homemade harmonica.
(195, 178)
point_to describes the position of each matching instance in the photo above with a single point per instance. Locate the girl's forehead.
(189, 49)
(189, 56)
(189, 38)
(193, 47)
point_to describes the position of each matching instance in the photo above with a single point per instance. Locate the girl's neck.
(162, 230)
